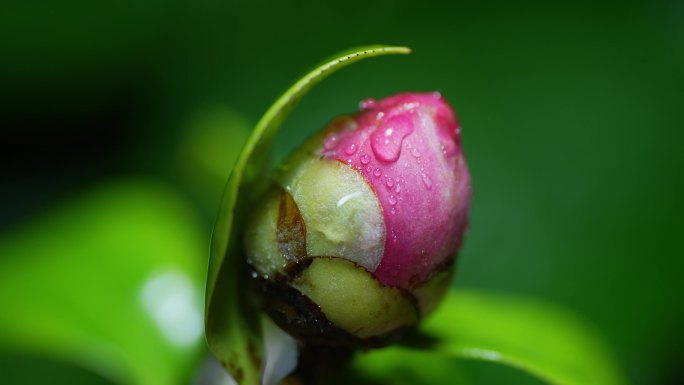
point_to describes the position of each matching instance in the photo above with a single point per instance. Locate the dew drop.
(377, 173)
(368, 169)
(397, 189)
(415, 153)
(392, 200)
(351, 149)
(393, 210)
(331, 142)
(449, 148)
(365, 159)
(387, 139)
(426, 181)
(389, 182)
(410, 106)
(367, 103)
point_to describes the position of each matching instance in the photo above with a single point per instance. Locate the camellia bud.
(356, 241)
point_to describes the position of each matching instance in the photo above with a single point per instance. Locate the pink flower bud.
(361, 231)
(408, 149)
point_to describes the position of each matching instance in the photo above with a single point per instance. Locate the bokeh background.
(121, 121)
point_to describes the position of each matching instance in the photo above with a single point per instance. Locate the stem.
(319, 365)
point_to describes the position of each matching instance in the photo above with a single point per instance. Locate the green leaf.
(401, 366)
(231, 324)
(543, 340)
(110, 282)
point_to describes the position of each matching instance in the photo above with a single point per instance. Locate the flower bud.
(356, 241)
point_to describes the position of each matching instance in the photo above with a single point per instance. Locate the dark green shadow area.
(20, 369)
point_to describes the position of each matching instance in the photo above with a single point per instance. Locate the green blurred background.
(121, 120)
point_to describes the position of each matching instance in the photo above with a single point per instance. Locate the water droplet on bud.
(365, 159)
(392, 200)
(427, 181)
(331, 142)
(387, 139)
(377, 172)
(367, 104)
(351, 149)
(389, 182)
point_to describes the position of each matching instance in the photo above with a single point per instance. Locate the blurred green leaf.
(209, 145)
(212, 140)
(231, 324)
(400, 366)
(548, 342)
(111, 282)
